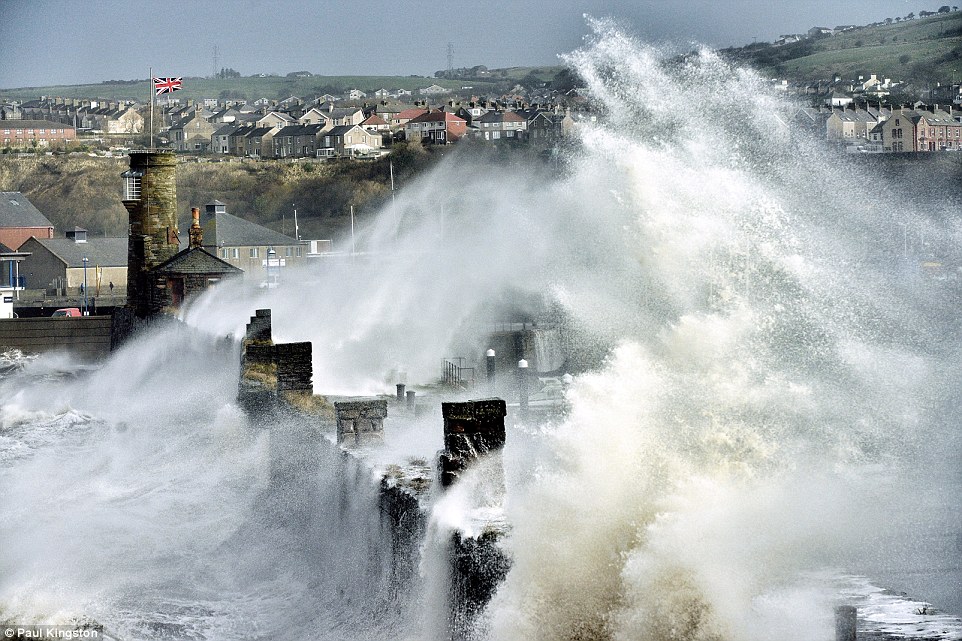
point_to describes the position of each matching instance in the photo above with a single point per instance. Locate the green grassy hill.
(280, 87)
(925, 49)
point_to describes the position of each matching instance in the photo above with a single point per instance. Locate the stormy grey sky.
(48, 42)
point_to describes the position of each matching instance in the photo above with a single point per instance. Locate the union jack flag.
(166, 85)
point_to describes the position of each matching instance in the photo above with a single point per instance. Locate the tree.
(905, 58)
(944, 8)
(231, 94)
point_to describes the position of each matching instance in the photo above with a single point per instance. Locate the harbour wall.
(85, 337)
(275, 390)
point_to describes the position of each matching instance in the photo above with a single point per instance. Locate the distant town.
(852, 112)
(863, 113)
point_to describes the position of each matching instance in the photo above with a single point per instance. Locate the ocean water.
(763, 422)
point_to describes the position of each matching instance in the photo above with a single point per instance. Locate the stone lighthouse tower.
(150, 196)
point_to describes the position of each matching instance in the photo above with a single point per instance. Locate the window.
(132, 184)
(253, 252)
(288, 251)
(235, 253)
(223, 253)
(298, 252)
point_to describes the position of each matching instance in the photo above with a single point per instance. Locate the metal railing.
(455, 374)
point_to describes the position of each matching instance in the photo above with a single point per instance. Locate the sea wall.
(472, 430)
(85, 337)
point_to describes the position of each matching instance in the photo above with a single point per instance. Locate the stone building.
(188, 273)
(921, 131)
(150, 196)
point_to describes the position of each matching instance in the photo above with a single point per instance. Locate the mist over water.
(767, 398)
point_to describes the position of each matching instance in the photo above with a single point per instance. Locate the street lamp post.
(523, 389)
(491, 367)
(85, 285)
(272, 265)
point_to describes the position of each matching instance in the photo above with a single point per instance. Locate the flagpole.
(150, 83)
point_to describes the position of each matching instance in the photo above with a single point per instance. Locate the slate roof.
(227, 129)
(17, 211)
(100, 252)
(196, 260)
(854, 115)
(34, 124)
(938, 118)
(436, 116)
(258, 132)
(500, 116)
(342, 130)
(299, 130)
(232, 231)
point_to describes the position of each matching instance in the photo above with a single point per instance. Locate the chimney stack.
(196, 232)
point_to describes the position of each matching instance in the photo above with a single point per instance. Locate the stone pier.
(259, 327)
(269, 369)
(360, 423)
(271, 377)
(475, 565)
(478, 566)
(471, 430)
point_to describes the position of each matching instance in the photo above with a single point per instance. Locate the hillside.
(923, 50)
(281, 87)
(81, 190)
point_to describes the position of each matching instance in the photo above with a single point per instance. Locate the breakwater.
(86, 337)
(408, 550)
(275, 389)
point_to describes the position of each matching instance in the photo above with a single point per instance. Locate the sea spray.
(773, 413)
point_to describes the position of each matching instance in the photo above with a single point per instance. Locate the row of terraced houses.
(884, 130)
(329, 131)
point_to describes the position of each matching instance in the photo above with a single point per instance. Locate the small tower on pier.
(150, 196)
